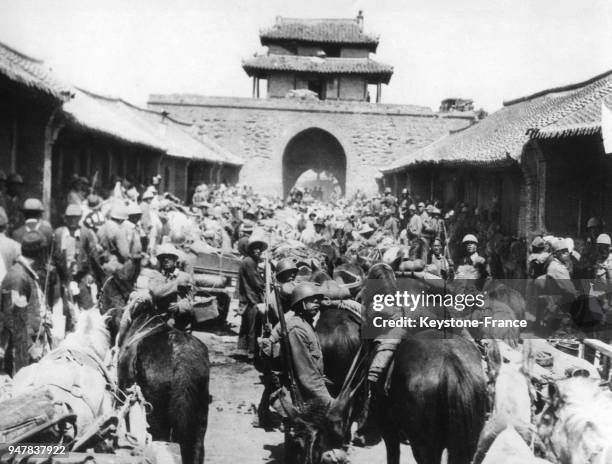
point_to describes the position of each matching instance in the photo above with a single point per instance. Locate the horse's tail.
(466, 401)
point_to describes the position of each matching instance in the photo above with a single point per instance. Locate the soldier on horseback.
(170, 292)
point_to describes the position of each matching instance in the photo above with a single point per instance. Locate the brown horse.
(172, 369)
(437, 397)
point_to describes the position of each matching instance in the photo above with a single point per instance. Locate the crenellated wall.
(371, 135)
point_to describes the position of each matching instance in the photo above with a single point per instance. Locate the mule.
(172, 369)
(74, 372)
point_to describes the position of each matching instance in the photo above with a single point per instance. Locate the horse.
(510, 393)
(74, 372)
(172, 369)
(577, 422)
(437, 394)
(437, 399)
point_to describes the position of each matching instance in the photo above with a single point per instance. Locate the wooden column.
(257, 87)
(378, 92)
(14, 145)
(52, 130)
(254, 87)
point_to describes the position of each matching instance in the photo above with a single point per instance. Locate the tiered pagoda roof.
(262, 64)
(336, 31)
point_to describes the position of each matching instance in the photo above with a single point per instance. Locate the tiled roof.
(122, 120)
(340, 31)
(585, 120)
(499, 138)
(313, 64)
(30, 72)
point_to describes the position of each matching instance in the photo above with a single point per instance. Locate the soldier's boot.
(368, 426)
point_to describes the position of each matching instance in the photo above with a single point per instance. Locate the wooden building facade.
(539, 162)
(51, 131)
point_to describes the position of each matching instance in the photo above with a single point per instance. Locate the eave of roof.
(31, 73)
(562, 111)
(122, 120)
(262, 64)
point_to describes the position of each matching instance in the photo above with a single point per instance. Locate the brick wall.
(371, 135)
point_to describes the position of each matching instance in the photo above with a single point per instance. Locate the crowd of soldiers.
(45, 270)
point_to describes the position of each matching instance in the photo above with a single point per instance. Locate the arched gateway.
(314, 149)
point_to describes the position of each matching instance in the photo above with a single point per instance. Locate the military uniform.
(34, 224)
(307, 357)
(22, 307)
(114, 241)
(175, 288)
(250, 289)
(10, 250)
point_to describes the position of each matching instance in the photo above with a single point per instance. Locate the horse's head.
(577, 421)
(91, 333)
(317, 434)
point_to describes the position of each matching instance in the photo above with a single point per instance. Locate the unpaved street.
(236, 388)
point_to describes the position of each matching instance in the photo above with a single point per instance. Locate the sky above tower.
(487, 50)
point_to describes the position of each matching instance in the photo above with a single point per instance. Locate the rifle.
(94, 183)
(37, 350)
(446, 251)
(296, 398)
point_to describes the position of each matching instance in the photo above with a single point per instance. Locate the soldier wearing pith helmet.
(32, 211)
(470, 248)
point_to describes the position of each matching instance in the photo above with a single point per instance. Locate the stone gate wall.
(372, 135)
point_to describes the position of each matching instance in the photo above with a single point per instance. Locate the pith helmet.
(604, 239)
(593, 222)
(33, 204)
(560, 244)
(167, 249)
(134, 209)
(538, 243)
(469, 238)
(119, 212)
(304, 291)
(73, 210)
(284, 266)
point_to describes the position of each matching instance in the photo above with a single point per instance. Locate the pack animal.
(172, 369)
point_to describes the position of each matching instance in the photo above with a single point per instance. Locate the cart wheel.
(163, 452)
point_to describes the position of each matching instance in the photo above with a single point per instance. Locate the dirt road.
(236, 389)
